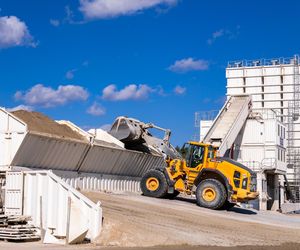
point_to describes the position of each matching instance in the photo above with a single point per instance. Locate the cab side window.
(197, 156)
(211, 153)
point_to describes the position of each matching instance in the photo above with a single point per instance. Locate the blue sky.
(159, 61)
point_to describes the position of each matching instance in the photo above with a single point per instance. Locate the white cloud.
(96, 109)
(130, 92)
(179, 90)
(70, 16)
(14, 32)
(20, 107)
(160, 91)
(189, 64)
(217, 34)
(39, 95)
(54, 22)
(104, 9)
(223, 33)
(70, 74)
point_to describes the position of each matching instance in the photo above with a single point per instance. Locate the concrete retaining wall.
(63, 213)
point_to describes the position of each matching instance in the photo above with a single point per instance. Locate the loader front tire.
(211, 193)
(154, 184)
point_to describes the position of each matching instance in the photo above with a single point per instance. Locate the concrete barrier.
(100, 182)
(63, 214)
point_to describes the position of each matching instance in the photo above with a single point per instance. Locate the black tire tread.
(163, 185)
(221, 198)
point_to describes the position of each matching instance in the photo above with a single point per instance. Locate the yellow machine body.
(185, 175)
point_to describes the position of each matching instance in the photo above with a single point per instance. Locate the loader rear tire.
(211, 193)
(154, 184)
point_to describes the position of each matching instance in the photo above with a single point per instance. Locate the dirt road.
(138, 221)
(157, 224)
(39, 246)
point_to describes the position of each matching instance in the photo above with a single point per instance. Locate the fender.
(165, 172)
(169, 180)
(217, 172)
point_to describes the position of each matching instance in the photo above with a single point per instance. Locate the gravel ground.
(138, 221)
(38, 246)
(133, 222)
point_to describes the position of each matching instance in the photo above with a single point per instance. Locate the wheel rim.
(209, 194)
(152, 183)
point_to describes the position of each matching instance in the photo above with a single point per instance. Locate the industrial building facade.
(273, 85)
(254, 142)
(269, 140)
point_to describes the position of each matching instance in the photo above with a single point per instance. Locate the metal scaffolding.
(293, 115)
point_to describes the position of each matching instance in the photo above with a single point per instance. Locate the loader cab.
(195, 154)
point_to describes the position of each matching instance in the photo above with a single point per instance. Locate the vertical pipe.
(68, 220)
(41, 219)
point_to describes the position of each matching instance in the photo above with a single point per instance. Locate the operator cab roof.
(202, 144)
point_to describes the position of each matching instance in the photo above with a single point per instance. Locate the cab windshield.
(197, 157)
(194, 155)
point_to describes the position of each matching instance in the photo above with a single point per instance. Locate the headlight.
(244, 183)
(253, 183)
(236, 183)
(237, 174)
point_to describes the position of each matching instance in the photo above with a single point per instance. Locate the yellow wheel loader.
(217, 182)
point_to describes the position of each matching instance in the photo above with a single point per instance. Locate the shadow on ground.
(235, 209)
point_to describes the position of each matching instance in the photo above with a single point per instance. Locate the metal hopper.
(32, 140)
